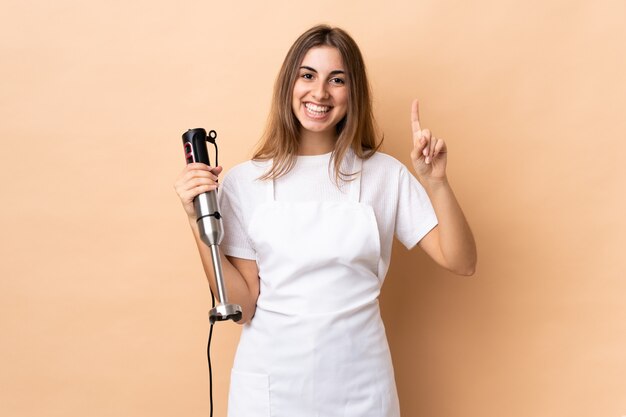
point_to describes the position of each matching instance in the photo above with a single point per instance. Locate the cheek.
(295, 97)
(343, 99)
(297, 90)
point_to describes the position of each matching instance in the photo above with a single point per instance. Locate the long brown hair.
(356, 130)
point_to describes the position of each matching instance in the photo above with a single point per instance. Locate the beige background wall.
(102, 301)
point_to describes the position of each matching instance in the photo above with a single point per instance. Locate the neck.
(316, 143)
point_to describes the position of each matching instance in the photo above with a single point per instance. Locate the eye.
(307, 76)
(337, 80)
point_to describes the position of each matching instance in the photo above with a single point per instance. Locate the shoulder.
(246, 172)
(381, 162)
(242, 182)
(247, 169)
(381, 177)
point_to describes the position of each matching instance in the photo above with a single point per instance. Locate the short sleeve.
(236, 241)
(415, 216)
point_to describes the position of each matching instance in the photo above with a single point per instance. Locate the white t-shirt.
(399, 201)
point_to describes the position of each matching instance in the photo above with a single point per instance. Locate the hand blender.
(209, 221)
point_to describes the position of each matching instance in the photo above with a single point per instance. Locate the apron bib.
(316, 346)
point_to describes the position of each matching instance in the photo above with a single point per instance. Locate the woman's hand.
(196, 178)
(429, 154)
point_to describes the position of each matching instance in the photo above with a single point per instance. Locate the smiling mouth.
(316, 111)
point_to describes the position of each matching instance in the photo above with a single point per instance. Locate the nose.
(320, 90)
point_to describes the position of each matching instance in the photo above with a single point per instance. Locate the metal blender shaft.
(219, 277)
(211, 232)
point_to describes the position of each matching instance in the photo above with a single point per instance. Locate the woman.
(309, 224)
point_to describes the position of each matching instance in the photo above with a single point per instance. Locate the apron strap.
(271, 196)
(269, 188)
(355, 185)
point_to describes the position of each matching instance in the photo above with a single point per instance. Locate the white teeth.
(316, 108)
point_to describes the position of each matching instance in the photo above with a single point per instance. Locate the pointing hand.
(429, 154)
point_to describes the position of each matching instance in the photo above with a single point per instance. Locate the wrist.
(433, 184)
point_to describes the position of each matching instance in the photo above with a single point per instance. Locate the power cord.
(211, 139)
(208, 354)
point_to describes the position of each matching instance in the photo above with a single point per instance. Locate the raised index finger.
(415, 116)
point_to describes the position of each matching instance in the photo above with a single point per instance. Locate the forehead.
(323, 58)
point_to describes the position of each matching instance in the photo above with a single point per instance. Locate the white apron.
(316, 346)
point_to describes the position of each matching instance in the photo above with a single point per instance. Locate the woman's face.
(320, 94)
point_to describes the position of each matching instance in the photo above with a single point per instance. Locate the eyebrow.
(334, 72)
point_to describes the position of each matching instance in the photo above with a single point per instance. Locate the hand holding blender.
(209, 222)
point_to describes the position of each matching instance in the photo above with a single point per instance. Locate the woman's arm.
(241, 276)
(450, 243)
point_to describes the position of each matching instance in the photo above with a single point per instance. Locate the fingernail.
(428, 159)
